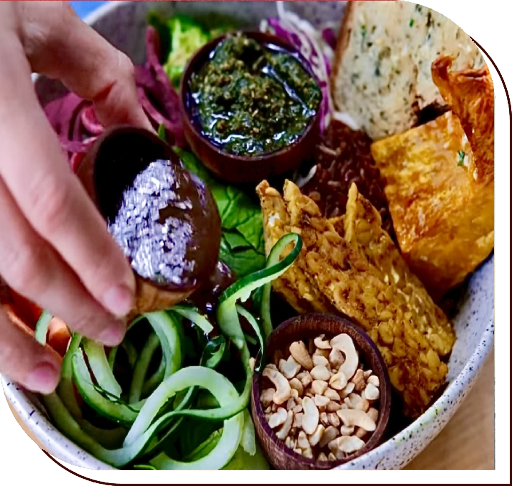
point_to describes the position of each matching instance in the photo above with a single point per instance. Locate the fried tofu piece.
(440, 181)
(470, 95)
(363, 276)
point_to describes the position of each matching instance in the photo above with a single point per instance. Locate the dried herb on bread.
(381, 73)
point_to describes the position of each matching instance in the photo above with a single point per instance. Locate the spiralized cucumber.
(154, 380)
(141, 368)
(166, 327)
(116, 411)
(42, 326)
(193, 314)
(65, 389)
(100, 368)
(147, 424)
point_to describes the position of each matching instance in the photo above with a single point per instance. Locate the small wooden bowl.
(310, 326)
(242, 168)
(104, 176)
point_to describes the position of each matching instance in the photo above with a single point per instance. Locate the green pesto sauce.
(253, 99)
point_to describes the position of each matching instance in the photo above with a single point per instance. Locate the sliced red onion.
(75, 122)
(160, 88)
(90, 121)
(329, 36)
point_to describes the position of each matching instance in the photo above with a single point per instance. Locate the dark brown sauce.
(162, 216)
(207, 296)
(154, 226)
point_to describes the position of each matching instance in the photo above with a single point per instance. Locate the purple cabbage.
(302, 41)
(75, 123)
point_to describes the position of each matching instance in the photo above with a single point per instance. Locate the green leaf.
(242, 244)
(161, 132)
(242, 262)
(192, 163)
(234, 240)
(186, 37)
(462, 155)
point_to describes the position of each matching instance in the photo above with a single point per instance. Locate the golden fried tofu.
(470, 95)
(361, 273)
(440, 182)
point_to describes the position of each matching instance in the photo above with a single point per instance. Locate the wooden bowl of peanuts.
(324, 396)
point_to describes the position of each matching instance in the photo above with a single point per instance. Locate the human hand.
(54, 245)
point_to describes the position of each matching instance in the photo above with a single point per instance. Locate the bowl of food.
(250, 106)
(170, 260)
(323, 397)
(369, 228)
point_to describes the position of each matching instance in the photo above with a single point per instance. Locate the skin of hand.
(54, 245)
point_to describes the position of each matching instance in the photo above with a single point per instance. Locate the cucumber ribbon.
(141, 422)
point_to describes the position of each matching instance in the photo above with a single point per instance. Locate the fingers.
(25, 361)
(30, 266)
(50, 197)
(61, 45)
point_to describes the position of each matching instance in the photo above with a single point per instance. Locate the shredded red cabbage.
(315, 47)
(75, 122)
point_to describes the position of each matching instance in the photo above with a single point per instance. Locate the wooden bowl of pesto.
(250, 106)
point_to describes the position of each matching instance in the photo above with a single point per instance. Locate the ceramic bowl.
(124, 25)
(241, 168)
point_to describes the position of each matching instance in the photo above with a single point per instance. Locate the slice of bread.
(382, 67)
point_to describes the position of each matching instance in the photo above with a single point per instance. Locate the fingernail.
(44, 379)
(119, 300)
(112, 335)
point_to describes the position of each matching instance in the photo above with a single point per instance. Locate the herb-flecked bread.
(382, 69)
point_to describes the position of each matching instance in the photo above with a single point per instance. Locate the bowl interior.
(124, 25)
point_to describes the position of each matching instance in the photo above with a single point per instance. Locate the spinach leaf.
(242, 245)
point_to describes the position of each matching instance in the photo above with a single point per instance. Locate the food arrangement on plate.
(300, 229)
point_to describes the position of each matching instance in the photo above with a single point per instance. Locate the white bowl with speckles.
(124, 24)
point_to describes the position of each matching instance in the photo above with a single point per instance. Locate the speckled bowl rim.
(30, 410)
(63, 448)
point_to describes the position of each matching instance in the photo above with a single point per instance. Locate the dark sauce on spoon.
(154, 226)
(162, 216)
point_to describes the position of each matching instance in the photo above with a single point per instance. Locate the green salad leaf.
(187, 36)
(242, 246)
(180, 38)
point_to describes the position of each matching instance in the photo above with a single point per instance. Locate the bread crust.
(381, 76)
(342, 44)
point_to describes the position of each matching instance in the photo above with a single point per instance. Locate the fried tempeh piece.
(294, 285)
(354, 274)
(363, 230)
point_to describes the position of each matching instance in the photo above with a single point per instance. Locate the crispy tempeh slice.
(412, 335)
(294, 285)
(364, 231)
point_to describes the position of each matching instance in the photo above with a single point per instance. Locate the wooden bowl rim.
(352, 330)
(197, 62)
